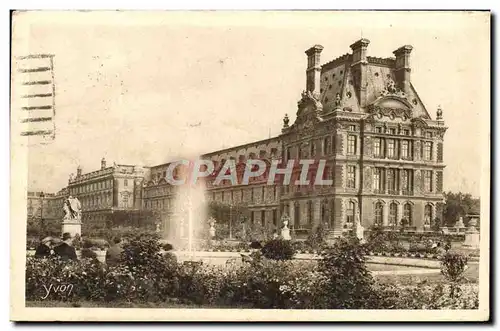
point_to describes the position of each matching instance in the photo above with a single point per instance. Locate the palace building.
(361, 114)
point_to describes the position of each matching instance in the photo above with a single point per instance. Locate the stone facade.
(360, 114)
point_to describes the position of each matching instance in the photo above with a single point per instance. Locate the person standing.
(65, 250)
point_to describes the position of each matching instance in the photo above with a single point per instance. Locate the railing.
(407, 192)
(394, 192)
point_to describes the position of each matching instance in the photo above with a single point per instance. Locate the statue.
(72, 209)
(391, 86)
(285, 231)
(439, 114)
(338, 102)
(286, 121)
(358, 228)
(211, 231)
(72, 221)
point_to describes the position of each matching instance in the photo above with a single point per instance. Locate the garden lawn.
(471, 274)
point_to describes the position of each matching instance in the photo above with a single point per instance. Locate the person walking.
(65, 250)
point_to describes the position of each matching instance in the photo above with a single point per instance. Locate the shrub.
(350, 283)
(317, 238)
(278, 249)
(453, 266)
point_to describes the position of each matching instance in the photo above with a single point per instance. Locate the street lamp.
(42, 225)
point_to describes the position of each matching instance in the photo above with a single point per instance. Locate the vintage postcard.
(250, 166)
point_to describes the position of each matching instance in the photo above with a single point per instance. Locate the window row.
(92, 201)
(393, 217)
(93, 187)
(326, 147)
(395, 180)
(233, 196)
(263, 219)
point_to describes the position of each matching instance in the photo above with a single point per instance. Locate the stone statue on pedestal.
(211, 231)
(460, 223)
(72, 221)
(285, 231)
(358, 228)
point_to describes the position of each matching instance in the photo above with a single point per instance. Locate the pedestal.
(72, 227)
(285, 234)
(471, 238)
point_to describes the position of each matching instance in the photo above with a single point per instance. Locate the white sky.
(130, 85)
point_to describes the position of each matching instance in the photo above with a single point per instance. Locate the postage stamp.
(250, 166)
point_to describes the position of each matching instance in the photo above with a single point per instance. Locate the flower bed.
(340, 280)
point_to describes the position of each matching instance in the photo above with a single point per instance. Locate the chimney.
(313, 72)
(403, 69)
(78, 171)
(358, 68)
(103, 163)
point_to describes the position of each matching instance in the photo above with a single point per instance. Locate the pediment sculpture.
(308, 96)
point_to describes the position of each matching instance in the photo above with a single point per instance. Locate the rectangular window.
(275, 217)
(428, 134)
(407, 181)
(428, 151)
(351, 176)
(288, 153)
(351, 144)
(428, 180)
(378, 129)
(377, 180)
(391, 150)
(352, 128)
(392, 131)
(125, 182)
(263, 217)
(377, 147)
(391, 181)
(406, 132)
(313, 148)
(405, 149)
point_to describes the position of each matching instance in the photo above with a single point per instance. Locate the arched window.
(407, 214)
(379, 213)
(428, 215)
(393, 214)
(350, 213)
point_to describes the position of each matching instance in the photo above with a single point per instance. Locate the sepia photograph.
(250, 166)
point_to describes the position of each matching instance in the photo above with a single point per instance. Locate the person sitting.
(44, 249)
(114, 253)
(65, 250)
(87, 253)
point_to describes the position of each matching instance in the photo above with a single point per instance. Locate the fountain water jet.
(189, 205)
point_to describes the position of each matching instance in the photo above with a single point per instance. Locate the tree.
(458, 205)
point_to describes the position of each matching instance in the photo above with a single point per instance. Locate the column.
(291, 213)
(385, 215)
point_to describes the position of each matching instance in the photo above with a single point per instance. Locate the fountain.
(189, 215)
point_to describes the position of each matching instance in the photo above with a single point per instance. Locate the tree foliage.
(458, 205)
